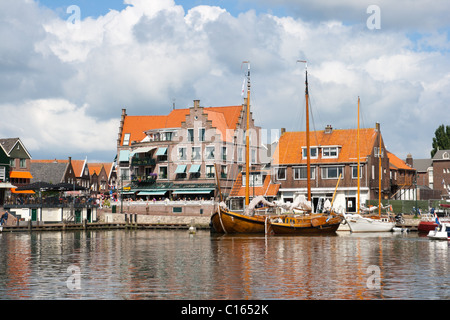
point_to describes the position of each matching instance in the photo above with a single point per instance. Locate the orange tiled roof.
(268, 189)
(289, 148)
(396, 163)
(222, 118)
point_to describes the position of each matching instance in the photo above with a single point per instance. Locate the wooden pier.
(97, 226)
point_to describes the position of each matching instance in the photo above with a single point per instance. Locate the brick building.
(333, 153)
(174, 156)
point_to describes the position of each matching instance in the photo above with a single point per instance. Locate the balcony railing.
(143, 162)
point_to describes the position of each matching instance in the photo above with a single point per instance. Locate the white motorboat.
(442, 232)
(359, 223)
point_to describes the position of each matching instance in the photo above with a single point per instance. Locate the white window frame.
(310, 153)
(126, 139)
(184, 154)
(207, 154)
(295, 169)
(325, 170)
(201, 136)
(326, 152)
(277, 170)
(352, 167)
(193, 153)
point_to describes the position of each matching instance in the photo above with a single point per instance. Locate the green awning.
(193, 191)
(194, 168)
(124, 155)
(152, 193)
(161, 151)
(181, 168)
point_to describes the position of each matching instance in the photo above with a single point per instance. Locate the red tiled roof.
(396, 163)
(289, 148)
(222, 118)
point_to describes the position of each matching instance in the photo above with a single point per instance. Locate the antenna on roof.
(173, 103)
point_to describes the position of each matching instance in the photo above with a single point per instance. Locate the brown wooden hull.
(315, 224)
(224, 221)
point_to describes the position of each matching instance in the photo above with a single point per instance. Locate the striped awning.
(161, 151)
(194, 168)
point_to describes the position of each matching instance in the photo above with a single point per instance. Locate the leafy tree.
(441, 140)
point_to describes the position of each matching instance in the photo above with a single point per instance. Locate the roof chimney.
(377, 127)
(196, 103)
(282, 131)
(328, 129)
(409, 160)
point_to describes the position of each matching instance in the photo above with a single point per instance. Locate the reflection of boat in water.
(442, 232)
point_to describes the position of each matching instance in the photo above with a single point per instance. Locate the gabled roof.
(8, 145)
(395, 163)
(77, 165)
(289, 148)
(51, 172)
(222, 118)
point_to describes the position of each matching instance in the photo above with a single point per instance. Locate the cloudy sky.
(68, 67)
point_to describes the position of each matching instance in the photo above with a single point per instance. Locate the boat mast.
(379, 173)
(247, 141)
(359, 183)
(308, 147)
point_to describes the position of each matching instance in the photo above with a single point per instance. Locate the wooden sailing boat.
(358, 222)
(226, 221)
(308, 223)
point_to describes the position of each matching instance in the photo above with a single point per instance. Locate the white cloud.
(147, 55)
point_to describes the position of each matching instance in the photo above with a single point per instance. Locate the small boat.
(442, 232)
(368, 223)
(359, 223)
(224, 220)
(428, 221)
(307, 222)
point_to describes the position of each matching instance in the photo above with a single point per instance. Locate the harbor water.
(176, 265)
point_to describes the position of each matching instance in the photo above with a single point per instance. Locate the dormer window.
(313, 152)
(445, 155)
(330, 152)
(126, 139)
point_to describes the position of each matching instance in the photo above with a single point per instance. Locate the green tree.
(441, 140)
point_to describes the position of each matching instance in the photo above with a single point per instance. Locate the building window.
(126, 139)
(210, 173)
(23, 163)
(240, 154)
(201, 134)
(330, 152)
(377, 153)
(162, 173)
(12, 163)
(2, 174)
(223, 172)
(253, 159)
(281, 173)
(190, 135)
(210, 153)
(355, 172)
(313, 152)
(195, 153)
(300, 173)
(332, 172)
(182, 153)
(224, 153)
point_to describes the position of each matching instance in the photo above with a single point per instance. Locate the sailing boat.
(359, 223)
(225, 221)
(307, 223)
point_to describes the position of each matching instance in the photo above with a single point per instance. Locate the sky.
(68, 67)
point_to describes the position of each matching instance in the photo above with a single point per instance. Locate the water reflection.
(158, 264)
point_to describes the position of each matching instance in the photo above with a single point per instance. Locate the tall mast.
(247, 141)
(379, 173)
(308, 147)
(358, 169)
